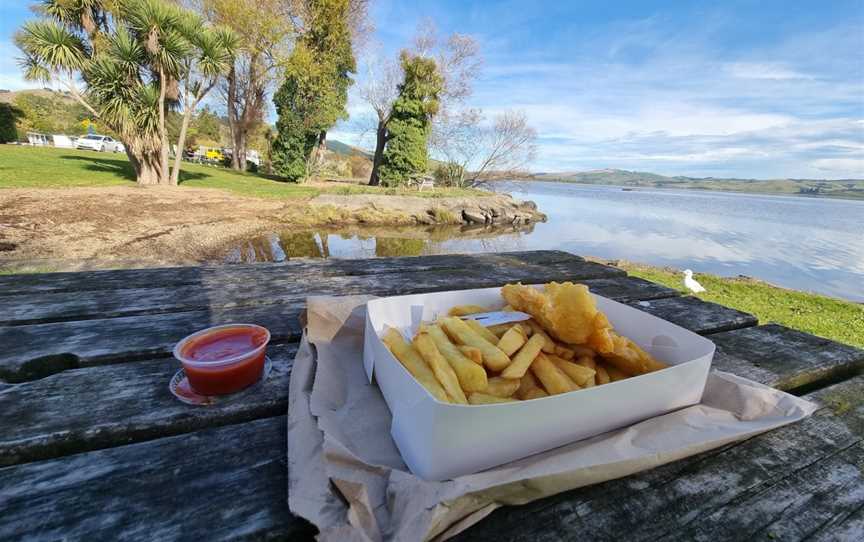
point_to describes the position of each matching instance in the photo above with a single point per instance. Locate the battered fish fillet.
(630, 358)
(567, 311)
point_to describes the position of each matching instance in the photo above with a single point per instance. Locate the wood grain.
(93, 408)
(121, 279)
(224, 483)
(781, 482)
(696, 315)
(120, 493)
(38, 350)
(786, 358)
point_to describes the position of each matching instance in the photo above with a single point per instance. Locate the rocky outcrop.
(494, 209)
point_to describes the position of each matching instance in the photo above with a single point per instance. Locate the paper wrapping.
(345, 474)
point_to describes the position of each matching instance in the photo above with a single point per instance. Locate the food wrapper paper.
(345, 474)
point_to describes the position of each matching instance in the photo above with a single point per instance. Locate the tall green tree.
(212, 52)
(131, 56)
(411, 119)
(315, 91)
(8, 117)
(265, 32)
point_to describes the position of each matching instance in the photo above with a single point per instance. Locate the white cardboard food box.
(439, 441)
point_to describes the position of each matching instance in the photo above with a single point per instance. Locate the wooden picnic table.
(94, 447)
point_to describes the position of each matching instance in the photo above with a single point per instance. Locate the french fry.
(478, 398)
(482, 330)
(549, 344)
(602, 377)
(493, 357)
(471, 353)
(500, 329)
(472, 377)
(652, 363)
(582, 350)
(615, 373)
(511, 341)
(414, 363)
(534, 393)
(502, 387)
(577, 373)
(564, 353)
(443, 371)
(527, 383)
(523, 359)
(554, 379)
(463, 310)
(588, 362)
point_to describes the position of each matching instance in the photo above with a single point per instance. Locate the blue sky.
(734, 88)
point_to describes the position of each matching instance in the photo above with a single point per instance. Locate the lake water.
(801, 243)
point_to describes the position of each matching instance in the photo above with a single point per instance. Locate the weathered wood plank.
(35, 351)
(221, 292)
(225, 483)
(848, 529)
(45, 421)
(179, 276)
(119, 404)
(120, 493)
(786, 358)
(697, 315)
(688, 499)
(794, 508)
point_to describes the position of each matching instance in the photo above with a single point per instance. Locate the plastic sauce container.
(223, 359)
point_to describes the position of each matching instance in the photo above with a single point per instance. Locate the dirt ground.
(96, 228)
(82, 228)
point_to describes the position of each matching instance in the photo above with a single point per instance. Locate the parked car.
(95, 142)
(214, 156)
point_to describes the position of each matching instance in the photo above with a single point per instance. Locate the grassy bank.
(841, 321)
(47, 167)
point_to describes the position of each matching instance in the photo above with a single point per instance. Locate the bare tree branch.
(480, 151)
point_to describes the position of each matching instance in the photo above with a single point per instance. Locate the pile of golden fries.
(461, 361)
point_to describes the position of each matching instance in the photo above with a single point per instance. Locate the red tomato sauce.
(219, 345)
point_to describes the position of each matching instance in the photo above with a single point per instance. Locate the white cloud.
(763, 70)
(847, 167)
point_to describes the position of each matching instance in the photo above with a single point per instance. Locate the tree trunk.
(238, 159)
(163, 132)
(147, 161)
(322, 146)
(232, 114)
(380, 141)
(181, 144)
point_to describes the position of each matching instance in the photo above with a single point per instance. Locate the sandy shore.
(80, 228)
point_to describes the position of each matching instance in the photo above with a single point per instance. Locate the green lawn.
(841, 321)
(47, 167)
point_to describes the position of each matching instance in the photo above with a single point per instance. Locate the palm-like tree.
(130, 56)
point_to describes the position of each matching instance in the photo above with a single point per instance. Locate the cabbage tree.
(123, 60)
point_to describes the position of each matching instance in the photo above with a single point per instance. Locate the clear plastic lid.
(183, 343)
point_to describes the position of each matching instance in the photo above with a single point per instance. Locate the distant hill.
(346, 150)
(844, 188)
(9, 96)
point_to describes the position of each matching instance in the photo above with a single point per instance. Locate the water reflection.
(802, 243)
(381, 242)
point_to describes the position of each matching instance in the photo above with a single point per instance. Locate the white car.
(95, 142)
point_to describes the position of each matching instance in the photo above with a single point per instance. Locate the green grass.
(47, 167)
(835, 319)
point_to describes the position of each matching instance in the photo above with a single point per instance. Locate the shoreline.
(671, 186)
(157, 226)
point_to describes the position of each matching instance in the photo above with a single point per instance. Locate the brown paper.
(345, 474)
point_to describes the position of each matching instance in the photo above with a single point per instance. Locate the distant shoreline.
(784, 187)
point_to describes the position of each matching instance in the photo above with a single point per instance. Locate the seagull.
(691, 283)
